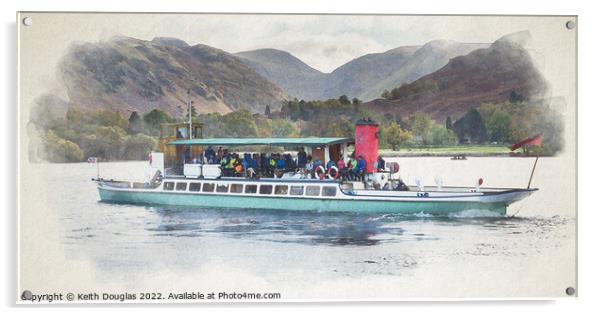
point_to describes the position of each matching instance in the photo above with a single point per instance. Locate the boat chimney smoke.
(366, 142)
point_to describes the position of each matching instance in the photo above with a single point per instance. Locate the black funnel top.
(366, 121)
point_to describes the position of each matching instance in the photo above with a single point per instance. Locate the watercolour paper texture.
(450, 95)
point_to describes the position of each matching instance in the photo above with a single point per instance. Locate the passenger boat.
(180, 182)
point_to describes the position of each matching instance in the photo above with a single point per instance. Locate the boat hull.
(297, 204)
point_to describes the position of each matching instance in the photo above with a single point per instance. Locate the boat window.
(281, 189)
(181, 186)
(222, 188)
(167, 131)
(182, 132)
(208, 187)
(312, 190)
(236, 188)
(296, 190)
(197, 133)
(194, 186)
(329, 191)
(250, 188)
(168, 186)
(265, 189)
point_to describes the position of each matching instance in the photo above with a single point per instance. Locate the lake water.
(78, 243)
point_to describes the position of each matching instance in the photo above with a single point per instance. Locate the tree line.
(107, 134)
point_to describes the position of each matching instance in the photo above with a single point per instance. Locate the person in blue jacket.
(209, 154)
(361, 167)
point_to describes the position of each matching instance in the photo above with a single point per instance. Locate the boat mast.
(189, 115)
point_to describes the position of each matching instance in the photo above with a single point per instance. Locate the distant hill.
(424, 60)
(363, 74)
(441, 77)
(288, 72)
(130, 74)
(365, 77)
(494, 74)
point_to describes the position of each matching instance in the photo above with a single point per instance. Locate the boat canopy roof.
(282, 141)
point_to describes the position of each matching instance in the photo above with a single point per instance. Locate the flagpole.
(533, 170)
(97, 169)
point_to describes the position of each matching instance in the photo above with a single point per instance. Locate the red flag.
(535, 141)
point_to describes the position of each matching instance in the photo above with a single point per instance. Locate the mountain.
(365, 77)
(130, 74)
(304, 82)
(291, 74)
(426, 59)
(493, 74)
(441, 77)
(361, 74)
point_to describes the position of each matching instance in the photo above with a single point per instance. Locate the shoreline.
(398, 154)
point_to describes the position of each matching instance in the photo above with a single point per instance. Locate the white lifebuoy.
(336, 173)
(321, 174)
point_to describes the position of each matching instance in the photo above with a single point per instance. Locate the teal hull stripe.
(294, 204)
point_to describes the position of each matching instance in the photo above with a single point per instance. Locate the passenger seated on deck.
(230, 165)
(280, 163)
(309, 165)
(289, 163)
(254, 162)
(352, 168)
(238, 169)
(330, 164)
(380, 164)
(361, 168)
(209, 154)
(273, 162)
(301, 158)
(317, 162)
(343, 174)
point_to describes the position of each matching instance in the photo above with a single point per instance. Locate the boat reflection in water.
(328, 228)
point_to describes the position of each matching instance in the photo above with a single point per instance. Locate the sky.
(324, 42)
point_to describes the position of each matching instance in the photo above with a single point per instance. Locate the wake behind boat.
(188, 172)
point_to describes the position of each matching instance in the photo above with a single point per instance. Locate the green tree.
(239, 124)
(394, 136)
(281, 128)
(109, 118)
(471, 127)
(154, 119)
(57, 149)
(194, 114)
(421, 125)
(441, 136)
(107, 143)
(498, 126)
(386, 94)
(138, 146)
(516, 97)
(135, 124)
(212, 125)
(344, 100)
(448, 123)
